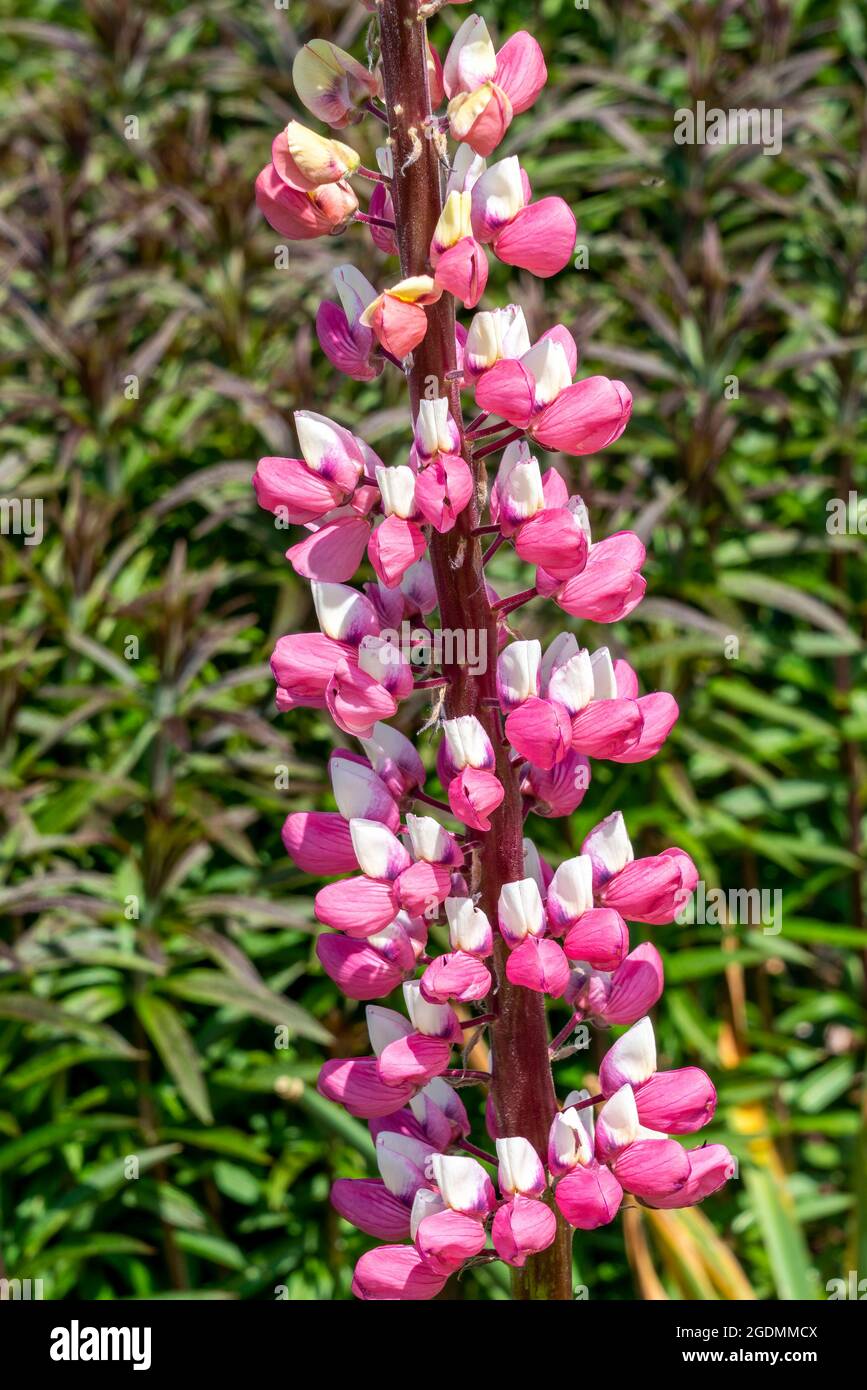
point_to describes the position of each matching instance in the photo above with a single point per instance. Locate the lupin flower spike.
(518, 731)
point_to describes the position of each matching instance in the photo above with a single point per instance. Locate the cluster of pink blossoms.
(565, 929)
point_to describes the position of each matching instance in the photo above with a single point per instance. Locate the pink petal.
(290, 211)
(610, 584)
(652, 1168)
(442, 490)
(540, 238)
(539, 964)
(332, 553)
(554, 540)
(489, 127)
(456, 975)
(589, 1197)
(356, 701)
(676, 1102)
(368, 1204)
(357, 906)
(627, 680)
(541, 731)
(635, 986)
(448, 1238)
(395, 545)
(585, 417)
(521, 70)
(290, 486)
(394, 1272)
(399, 326)
(463, 271)
(415, 1058)
(349, 349)
(423, 886)
(653, 889)
(355, 1083)
(709, 1167)
(473, 794)
(358, 969)
(303, 664)
(507, 389)
(381, 205)
(523, 1227)
(659, 714)
(600, 937)
(559, 790)
(319, 842)
(606, 727)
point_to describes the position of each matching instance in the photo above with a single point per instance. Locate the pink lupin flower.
(360, 968)
(346, 342)
(679, 1101)
(300, 215)
(397, 316)
(331, 83)
(356, 1084)
(460, 264)
(539, 237)
(559, 790)
(446, 1239)
(319, 842)
(522, 1227)
(487, 89)
(396, 1272)
(609, 586)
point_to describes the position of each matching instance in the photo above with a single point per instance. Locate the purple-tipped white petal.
(434, 1020)
(431, 841)
(632, 1059)
(469, 928)
(609, 847)
(379, 852)
(518, 673)
(569, 1143)
(570, 892)
(471, 59)
(520, 912)
(360, 793)
(464, 1184)
(572, 682)
(467, 743)
(385, 1026)
(520, 1168)
(617, 1125)
(394, 758)
(403, 1163)
(344, 614)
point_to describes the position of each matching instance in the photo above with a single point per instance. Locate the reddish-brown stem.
(374, 221)
(498, 444)
(522, 1085)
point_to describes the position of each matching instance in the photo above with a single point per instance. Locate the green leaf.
(164, 1027)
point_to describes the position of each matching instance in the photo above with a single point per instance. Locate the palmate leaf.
(164, 1026)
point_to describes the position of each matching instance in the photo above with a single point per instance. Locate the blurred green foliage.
(159, 997)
